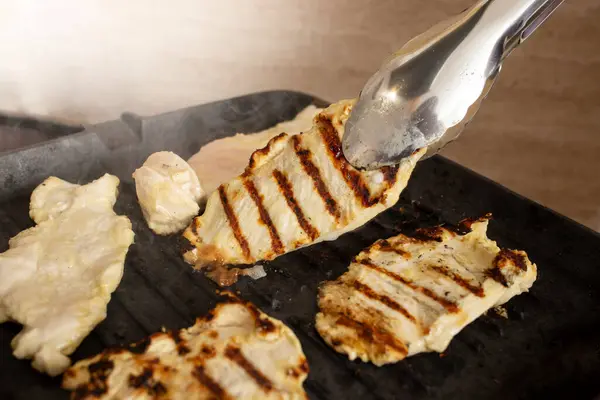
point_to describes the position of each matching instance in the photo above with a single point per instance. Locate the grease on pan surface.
(296, 191)
(235, 352)
(407, 295)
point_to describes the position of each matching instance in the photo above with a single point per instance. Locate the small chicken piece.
(236, 352)
(56, 278)
(407, 295)
(168, 191)
(223, 159)
(296, 191)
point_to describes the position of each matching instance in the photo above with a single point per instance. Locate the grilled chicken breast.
(168, 191)
(57, 277)
(236, 352)
(407, 295)
(223, 159)
(296, 191)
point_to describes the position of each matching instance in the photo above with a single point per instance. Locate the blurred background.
(82, 62)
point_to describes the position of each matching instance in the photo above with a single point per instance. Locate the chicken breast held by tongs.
(296, 191)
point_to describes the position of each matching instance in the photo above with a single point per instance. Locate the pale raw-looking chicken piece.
(223, 159)
(168, 191)
(296, 191)
(56, 278)
(408, 295)
(236, 352)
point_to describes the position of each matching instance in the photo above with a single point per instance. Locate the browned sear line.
(496, 274)
(433, 234)
(206, 381)
(146, 381)
(233, 223)
(261, 321)
(262, 152)
(70, 373)
(467, 223)
(500, 262)
(141, 346)
(208, 351)
(235, 355)
(99, 372)
(182, 348)
(288, 193)
(506, 255)
(300, 369)
(311, 169)
(386, 246)
(352, 177)
(265, 218)
(373, 335)
(303, 366)
(390, 173)
(476, 290)
(389, 302)
(448, 305)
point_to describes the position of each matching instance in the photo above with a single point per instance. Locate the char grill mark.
(182, 348)
(497, 275)
(351, 176)
(459, 280)
(305, 157)
(276, 244)
(503, 260)
(235, 355)
(386, 246)
(300, 369)
(389, 174)
(285, 187)
(209, 383)
(507, 255)
(434, 234)
(98, 383)
(233, 223)
(467, 223)
(261, 321)
(147, 382)
(376, 335)
(448, 305)
(383, 299)
(262, 152)
(208, 351)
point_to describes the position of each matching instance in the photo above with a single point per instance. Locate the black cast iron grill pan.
(548, 347)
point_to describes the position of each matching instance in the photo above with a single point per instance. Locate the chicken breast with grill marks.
(236, 352)
(57, 277)
(296, 191)
(407, 295)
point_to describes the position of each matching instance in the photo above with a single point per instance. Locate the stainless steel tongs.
(427, 92)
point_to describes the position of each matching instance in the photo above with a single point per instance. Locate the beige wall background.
(538, 133)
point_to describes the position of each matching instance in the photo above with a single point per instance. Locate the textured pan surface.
(548, 346)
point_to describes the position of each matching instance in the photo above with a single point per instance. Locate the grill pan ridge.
(548, 346)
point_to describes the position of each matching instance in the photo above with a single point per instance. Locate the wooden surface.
(538, 133)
